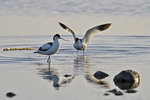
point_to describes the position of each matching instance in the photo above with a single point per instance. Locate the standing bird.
(80, 44)
(50, 48)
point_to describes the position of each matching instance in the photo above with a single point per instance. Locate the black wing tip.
(62, 25)
(104, 26)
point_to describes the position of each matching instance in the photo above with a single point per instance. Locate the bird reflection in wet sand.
(82, 67)
(79, 64)
(53, 75)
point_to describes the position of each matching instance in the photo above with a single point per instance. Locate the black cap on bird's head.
(77, 39)
(58, 36)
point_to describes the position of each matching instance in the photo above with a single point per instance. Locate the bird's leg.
(49, 67)
(83, 52)
(77, 52)
(48, 60)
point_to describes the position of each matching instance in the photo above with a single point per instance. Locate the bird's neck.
(56, 41)
(79, 41)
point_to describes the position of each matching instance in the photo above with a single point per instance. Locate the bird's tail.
(36, 52)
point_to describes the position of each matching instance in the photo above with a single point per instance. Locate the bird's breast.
(54, 48)
(79, 46)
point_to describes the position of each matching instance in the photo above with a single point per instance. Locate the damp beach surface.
(71, 76)
(32, 23)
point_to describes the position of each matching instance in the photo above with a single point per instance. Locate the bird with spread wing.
(81, 44)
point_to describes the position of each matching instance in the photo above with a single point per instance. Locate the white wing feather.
(68, 29)
(94, 30)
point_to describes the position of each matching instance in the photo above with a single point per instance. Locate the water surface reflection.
(52, 74)
(82, 66)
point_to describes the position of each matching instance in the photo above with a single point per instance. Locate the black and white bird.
(81, 44)
(50, 48)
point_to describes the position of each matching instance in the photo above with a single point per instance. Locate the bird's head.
(57, 36)
(77, 39)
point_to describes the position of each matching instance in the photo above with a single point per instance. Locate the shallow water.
(99, 7)
(110, 54)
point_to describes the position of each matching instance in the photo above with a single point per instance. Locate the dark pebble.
(131, 91)
(10, 94)
(116, 92)
(106, 94)
(66, 75)
(100, 75)
(127, 80)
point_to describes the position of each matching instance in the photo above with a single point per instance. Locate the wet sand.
(26, 74)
